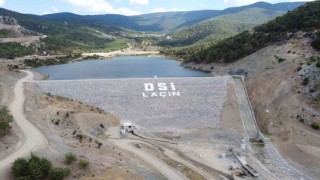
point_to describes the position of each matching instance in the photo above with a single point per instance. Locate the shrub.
(309, 63)
(79, 137)
(69, 158)
(58, 173)
(20, 168)
(12, 49)
(101, 126)
(315, 125)
(305, 81)
(299, 68)
(5, 120)
(37, 168)
(99, 144)
(301, 120)
(280, 60)
(83, 164)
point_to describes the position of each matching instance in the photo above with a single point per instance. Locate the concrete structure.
(126, 127)
(246, 112)
(157, 104)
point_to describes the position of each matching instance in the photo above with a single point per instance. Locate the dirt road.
(122, 53)
(153, 161)
(33, 138)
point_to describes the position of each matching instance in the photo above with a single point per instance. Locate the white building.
(126, 128)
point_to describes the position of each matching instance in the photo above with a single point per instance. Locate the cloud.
(239, 2)
(98, 7)
(299, 0)
(127, 11)
(231, 3)
(2, 2)
(141, 2)
(92, 6)
(167, 10)
(54, 9)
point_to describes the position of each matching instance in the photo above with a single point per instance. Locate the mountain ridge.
(303, 18)
(161, 22)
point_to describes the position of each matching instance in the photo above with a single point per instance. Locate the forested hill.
(160, 22)
(304, 18)
(220, 27)
(64, 38)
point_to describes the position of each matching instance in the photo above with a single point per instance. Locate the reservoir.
(119, 67)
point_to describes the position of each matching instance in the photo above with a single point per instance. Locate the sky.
(124, 7)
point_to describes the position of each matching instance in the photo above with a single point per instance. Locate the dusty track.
(153, 161)
(33, 138)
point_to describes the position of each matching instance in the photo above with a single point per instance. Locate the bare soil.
(12, 140)
(278, 97)
(77, 118)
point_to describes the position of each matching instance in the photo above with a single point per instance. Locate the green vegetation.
(316, 42)
(37, 168)
(315, 125)
(4, 33)
(12, 67)
(55, 121)
(58, 173)
(313, 59)
(83, 164)
(80, 40)
(300, 118)
(5, 120)
(304, 18)
(257, 142)
(208, 33)
(280, 60)
(69, 158)
(158, 22)
(234, 48)
(299, 68)
(11, 50)
(80, 137)
(47, 62)
(306, 81)
(215, 29)
(93, 57)
(99, 144)
(68, 39)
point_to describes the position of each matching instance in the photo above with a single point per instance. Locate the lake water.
(119, 67)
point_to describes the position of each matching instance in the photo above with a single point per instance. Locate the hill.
(220, 27)
(304, 18)
(159, 22)
(64, 38)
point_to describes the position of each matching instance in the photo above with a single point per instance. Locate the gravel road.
(33, 138)
(153, 161)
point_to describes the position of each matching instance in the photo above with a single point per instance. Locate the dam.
(158, 104)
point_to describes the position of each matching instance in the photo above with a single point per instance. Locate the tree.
(5, 120)
(37, 168)
(34, 168)
(20, 168)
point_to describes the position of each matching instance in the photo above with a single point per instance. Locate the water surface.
(119, 67)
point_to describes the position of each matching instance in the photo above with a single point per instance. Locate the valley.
(104, 91)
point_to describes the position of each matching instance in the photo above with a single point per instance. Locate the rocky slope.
(10, 28)
(284, 107)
